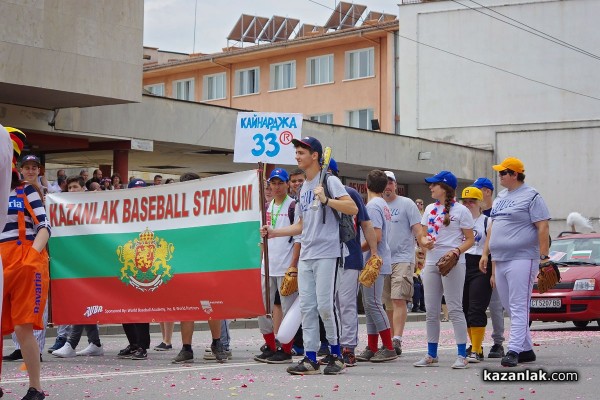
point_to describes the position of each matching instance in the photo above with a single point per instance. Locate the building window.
(283, 75)
(184, 89)
(247, 81)
(319, 70)
(323, 118)
(214, 87)
(360, 118)
(157, 89)
(360, 63)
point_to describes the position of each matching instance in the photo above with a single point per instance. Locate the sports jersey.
(451, 236)
(381, 217)
(479, 233)
(319, 240)
(514, 214)
(280, 248)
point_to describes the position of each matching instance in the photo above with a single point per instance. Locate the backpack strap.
(292, 215)
(326, 189)
(21, 215)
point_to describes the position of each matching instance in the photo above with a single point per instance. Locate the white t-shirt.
(6, 155)
(405, 214)
(280, 248)
(447, 237)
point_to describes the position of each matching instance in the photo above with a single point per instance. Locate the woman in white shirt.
(448, 229)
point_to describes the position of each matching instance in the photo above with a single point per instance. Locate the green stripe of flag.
(199, 249)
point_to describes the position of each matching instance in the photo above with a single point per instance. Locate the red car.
(577, 296)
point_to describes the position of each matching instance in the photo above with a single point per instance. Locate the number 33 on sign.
(266, 137)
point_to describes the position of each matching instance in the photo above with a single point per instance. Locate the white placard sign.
(266, 137)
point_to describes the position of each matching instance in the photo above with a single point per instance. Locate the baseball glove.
(447, 262)
(548, 276)
(370, 272)
(289, 284)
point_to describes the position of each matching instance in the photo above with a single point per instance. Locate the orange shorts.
(26, 281)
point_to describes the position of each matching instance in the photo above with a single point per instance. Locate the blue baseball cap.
(136, 183)
(483, 183)
(446, 177)
(309, 143)
(30, 158)
(333, 166)
(279, 173)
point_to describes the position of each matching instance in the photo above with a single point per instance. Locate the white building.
(519, 76)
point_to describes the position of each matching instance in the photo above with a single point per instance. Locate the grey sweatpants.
(377, 319)
(345, 301)
(266, 324)
(316, 287)
(451, 287)
(91, 330)
(497, 315)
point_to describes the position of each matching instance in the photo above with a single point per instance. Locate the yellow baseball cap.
(472, 193)
(512, 163)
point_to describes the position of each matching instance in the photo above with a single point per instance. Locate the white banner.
(266, 137)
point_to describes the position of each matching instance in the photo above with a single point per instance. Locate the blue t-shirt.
(355, 258)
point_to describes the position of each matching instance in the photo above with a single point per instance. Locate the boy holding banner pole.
(280, 258)
(320, 249)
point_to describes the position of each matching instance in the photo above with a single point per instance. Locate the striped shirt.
(15, 203)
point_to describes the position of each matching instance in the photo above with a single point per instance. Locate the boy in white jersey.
(280, 258)
(320, 249)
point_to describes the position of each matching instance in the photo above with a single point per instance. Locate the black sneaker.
(349, 357)
(34, 394)
(184, 356)
(60, 342)
(140, 354)
(266, 346)
(219, 352)
(127, 352)
(324, 360)
(527, 356)
(511, 359)
(305, 367)
(279, 357)
(14, 356)
(336, 365)
(323, 351)
(497, 351)
(397, 343)
(163, 347)
(262, 357)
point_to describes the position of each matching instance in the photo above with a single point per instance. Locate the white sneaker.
(65, 352)
(427, 361)
(91, 350)
(460, 363)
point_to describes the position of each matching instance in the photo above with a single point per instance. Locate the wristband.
(456, 249)
(326, 201)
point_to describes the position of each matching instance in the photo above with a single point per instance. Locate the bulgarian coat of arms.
(144, 261)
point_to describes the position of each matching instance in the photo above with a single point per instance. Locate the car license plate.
(546, 303)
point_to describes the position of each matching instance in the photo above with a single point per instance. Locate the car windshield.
(576, 251)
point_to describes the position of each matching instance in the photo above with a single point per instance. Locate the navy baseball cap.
(30, 158)
(443, 177)
(483, 183)
(309, 143)
(279, 173)
(136, 183)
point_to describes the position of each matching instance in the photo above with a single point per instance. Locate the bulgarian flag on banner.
(179, 252)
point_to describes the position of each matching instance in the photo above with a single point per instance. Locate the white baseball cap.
(390, 175)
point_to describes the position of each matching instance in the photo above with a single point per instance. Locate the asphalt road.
(559, 347)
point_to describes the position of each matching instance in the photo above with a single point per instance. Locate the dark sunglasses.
(505, 172)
